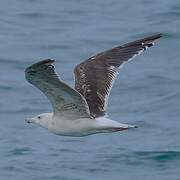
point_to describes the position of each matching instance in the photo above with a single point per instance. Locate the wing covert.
(65, 100)
(95, 76)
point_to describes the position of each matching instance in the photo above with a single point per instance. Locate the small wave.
(19, 151)
(159, 156)
(6, 88)
(32, 15)
(67, 150)
(12, 169)
(153, 159)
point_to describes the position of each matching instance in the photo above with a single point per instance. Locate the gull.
(81, 111)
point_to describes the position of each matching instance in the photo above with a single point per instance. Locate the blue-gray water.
(146, 93)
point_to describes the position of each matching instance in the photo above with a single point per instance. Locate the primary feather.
(95, 76)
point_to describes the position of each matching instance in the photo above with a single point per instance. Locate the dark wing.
(66, 101)
(95, 76)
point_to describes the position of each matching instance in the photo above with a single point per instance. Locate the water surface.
(146, 93)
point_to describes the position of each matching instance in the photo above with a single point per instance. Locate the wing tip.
(156, 36)
(46, 62)
(145, 40)
(152, 38)
(149, 41)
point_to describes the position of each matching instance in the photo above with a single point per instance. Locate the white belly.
(83, 127)
(78, 127)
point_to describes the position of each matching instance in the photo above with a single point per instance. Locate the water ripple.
(159, 156)
(32, 15)
(148, 158)
(19, 151)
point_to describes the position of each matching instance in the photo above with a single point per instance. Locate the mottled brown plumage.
(95, 76)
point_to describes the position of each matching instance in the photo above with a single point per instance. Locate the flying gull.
(81, 111)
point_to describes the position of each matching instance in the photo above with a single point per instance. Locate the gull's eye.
(39, 117)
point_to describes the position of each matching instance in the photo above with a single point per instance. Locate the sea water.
(146, 92)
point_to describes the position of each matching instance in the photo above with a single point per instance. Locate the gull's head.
(41, 119)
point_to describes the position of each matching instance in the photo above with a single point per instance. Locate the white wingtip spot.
(111, 67)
